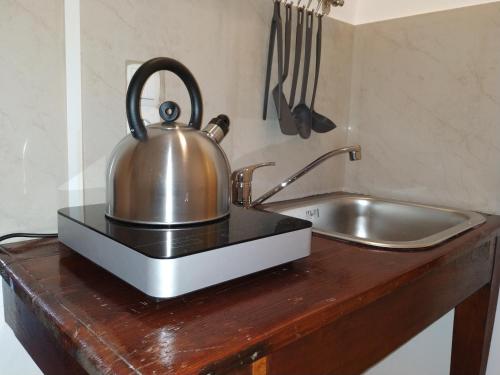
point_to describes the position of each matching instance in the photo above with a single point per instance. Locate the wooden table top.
(109, 326)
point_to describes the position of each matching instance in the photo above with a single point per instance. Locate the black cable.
(27, 235)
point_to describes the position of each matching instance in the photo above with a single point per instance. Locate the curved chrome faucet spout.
(242, 197)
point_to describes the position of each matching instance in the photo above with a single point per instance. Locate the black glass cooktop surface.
(241, 225)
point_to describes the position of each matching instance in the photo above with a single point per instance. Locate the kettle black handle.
(138, 81)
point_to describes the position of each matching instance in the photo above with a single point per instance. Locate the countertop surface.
(109, 327)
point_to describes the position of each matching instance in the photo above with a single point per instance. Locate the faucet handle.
(245, 174)
(241, 181)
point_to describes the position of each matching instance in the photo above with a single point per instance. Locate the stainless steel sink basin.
(379, 222)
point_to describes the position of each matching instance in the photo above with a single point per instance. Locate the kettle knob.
(146, 70)
(170, 111)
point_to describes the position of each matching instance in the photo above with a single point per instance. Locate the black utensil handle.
(298, 54)
(270, 55)
(138, 81)
(318, 61)
(307, 55)
(288, 39)
(279, 37)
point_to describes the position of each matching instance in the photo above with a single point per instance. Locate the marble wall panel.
(224, 43)
(426, 108)
(32, 115)
(33, 142)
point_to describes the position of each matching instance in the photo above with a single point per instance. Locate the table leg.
(473, 326)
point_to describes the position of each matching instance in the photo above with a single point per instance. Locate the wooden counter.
(337, 312)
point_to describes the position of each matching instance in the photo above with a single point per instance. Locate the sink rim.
(473, 220)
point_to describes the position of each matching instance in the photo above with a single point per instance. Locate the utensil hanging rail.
(326, 4)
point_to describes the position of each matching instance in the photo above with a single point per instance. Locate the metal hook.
(317, 9)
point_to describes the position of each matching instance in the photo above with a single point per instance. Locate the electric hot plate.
(169, 262)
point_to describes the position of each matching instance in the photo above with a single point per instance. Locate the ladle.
(320, 123)
(302, 113)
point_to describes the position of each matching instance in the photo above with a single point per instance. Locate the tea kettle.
(168, 173)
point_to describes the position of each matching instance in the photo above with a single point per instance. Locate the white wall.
(14, 360)
(348, 12)
(494, 360)
(379, 10)
(358, 12)
(428, 353)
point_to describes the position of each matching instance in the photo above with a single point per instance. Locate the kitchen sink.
(378, 222)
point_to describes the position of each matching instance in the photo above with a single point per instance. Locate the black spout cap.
(223, 122)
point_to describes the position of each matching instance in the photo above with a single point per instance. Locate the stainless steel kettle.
(168, 173)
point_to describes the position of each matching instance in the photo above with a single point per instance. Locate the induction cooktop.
(168, 262)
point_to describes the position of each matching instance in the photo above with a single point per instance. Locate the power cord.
(28, 235)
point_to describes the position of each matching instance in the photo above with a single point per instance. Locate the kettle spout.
(217, 128)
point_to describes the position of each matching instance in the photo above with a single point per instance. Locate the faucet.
(241, 179)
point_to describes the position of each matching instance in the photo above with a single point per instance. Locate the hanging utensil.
(286, 120)
(288, 38)
(301, 112)
(270, 56)
(320, 123)
(298, 52)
